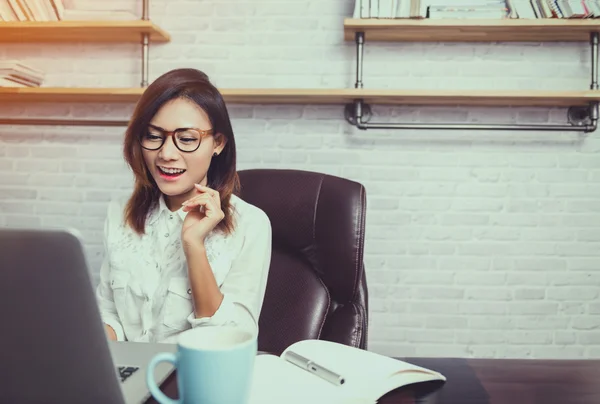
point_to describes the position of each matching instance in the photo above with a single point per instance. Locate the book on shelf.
(319, 371)
(103, 5)
(6, 12)
(29, 10)
(14, 73)
(13, 12)
(388, 9)
(495, 9)
(67, 10)
(477, 9)
(98, 15)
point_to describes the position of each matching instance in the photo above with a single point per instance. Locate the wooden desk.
(494, 381)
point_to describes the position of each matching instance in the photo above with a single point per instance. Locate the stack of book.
(477, 9)
(555, 8)
(485, 9)
(14, 73)
(59, 10)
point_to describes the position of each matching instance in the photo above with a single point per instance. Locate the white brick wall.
(479, 244)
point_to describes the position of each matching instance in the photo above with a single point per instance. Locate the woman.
(183, 251)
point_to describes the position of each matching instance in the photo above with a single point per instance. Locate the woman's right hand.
(110, 333)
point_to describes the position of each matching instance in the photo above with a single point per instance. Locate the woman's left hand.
(204, 213)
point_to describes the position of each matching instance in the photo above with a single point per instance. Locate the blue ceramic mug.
(214, 366)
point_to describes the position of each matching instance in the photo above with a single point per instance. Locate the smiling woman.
(183, 250)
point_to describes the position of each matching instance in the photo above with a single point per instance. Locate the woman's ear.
(220, 142)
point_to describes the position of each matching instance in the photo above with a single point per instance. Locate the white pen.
(315, 368)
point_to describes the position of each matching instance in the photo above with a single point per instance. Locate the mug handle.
(151, 383)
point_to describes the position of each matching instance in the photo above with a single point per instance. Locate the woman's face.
(174, 170)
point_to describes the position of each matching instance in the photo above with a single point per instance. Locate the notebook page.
(276, 381)
(363, 370)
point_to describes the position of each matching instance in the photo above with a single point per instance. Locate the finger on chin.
(202, 189)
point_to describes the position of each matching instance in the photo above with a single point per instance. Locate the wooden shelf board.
(410, 97)
(81, 31)
(461, 30)
(319, 96)
(69, 94)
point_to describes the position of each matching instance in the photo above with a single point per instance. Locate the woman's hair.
(193, 85)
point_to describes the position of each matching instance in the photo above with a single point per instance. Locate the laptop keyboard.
(126, 371)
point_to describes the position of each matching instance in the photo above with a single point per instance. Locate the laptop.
(53, 347)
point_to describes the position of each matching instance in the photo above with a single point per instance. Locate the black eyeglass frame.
(166, 133)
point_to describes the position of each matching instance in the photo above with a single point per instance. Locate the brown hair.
(195, 86)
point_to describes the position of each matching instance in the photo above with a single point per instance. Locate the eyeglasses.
(186, 139)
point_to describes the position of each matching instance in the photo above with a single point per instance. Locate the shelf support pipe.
(360, 41)
(581, 119)
(145, 41)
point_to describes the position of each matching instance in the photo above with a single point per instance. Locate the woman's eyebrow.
(156, 127)
(164, 130)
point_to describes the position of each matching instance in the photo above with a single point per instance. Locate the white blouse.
(144, 292)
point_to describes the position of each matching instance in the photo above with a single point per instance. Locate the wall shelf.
(81, 31)
(461, 30)
(318, 96)
(581, 118)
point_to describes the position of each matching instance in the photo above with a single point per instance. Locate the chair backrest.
(317, 287)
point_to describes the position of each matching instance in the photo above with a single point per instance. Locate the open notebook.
(365, 376)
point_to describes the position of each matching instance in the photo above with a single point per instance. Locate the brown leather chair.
(317, 287)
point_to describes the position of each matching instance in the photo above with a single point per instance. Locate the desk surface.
(494, 381)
